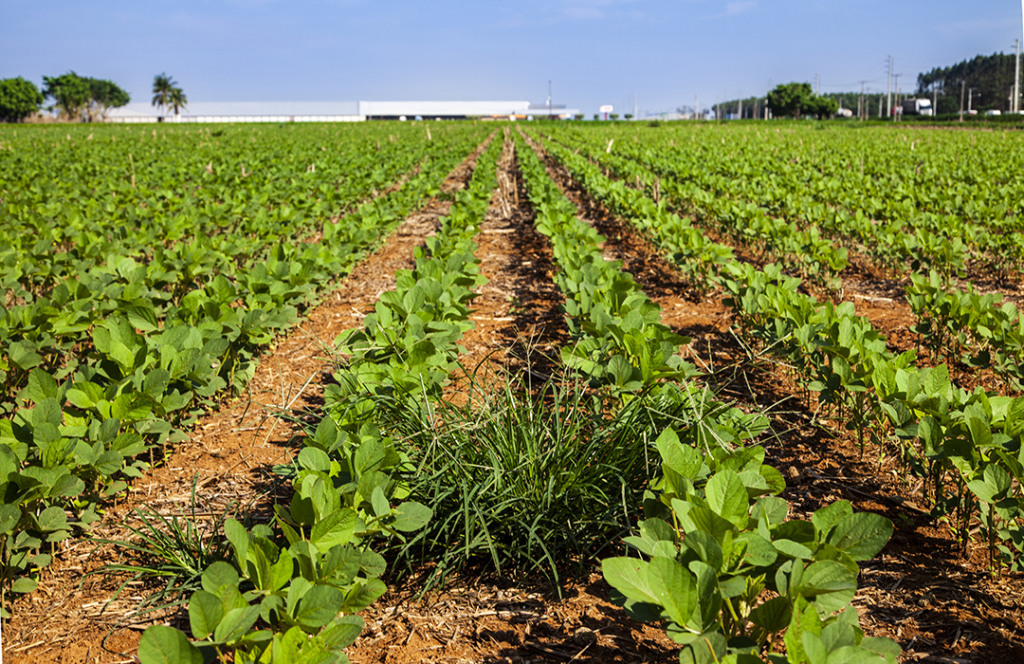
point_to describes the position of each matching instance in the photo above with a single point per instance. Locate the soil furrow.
(517, 322)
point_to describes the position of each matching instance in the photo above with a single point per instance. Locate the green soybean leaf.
(411, 516)
(318, 607)
(706, 648)
(727, 496)
(773, 615)
(24, 584)
(235, 624)
(363, 595)
(165, 645)
(239, 538)
(205, 611)
(861, 535)
(341, 633)
(218, 577)
(338, 527)
(674, 587)
(630, 577)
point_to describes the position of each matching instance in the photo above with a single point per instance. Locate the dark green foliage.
(70, 93)
(19, 98)
(167, 94)
(796, 99)
(728, 572)
(82, 98)
(990, 77)
(105, 95)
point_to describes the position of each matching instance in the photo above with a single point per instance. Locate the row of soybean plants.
(114, 360)
(72, 198)
(909, 205)
(965, 326)
(968, 328)
(967, 445)
(715, 535)
(795, 245)
(288, 591)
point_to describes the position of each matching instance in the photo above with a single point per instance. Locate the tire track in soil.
(920, 590)
(232, 449)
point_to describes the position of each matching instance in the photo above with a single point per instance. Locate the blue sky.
(593, 51)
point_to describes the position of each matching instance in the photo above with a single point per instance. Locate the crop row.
(289, 591)
(987, 334)
(112, 363)
(911, 205)
(716, 534)
(286, 592)
(178, 198)
(966, 445)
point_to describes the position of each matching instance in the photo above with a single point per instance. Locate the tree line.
(76, 98)
(987, 80)
(981, 83)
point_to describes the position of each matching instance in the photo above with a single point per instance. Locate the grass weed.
(172, 549)
(527, 480)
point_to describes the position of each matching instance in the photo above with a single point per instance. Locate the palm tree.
(163, 85)
(177, 100)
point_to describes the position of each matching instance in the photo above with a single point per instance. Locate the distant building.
(337, 111)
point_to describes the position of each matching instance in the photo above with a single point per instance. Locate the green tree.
(70, 92)
(163, 85)
(791, 99)
(177, 100)
(105, 95)
(990, 76)
(823, 107)
(19, 98)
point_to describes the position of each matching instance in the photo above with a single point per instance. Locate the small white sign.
(607, 108)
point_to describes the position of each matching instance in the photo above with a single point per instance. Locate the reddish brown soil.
(517, 322)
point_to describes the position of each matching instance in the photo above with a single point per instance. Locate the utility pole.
(739, 110)
(1015, 106)
(896, 86)
(970, 93)
(888, 93)
(962, 82)
(549, 99)
(862, 110)
(817, 84)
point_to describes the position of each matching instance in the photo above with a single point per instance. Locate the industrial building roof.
(283, 111)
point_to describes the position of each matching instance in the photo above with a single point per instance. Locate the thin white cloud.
(736, 8)
(591, 9)
(569, 11)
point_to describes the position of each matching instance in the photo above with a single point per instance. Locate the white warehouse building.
(337, 111)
